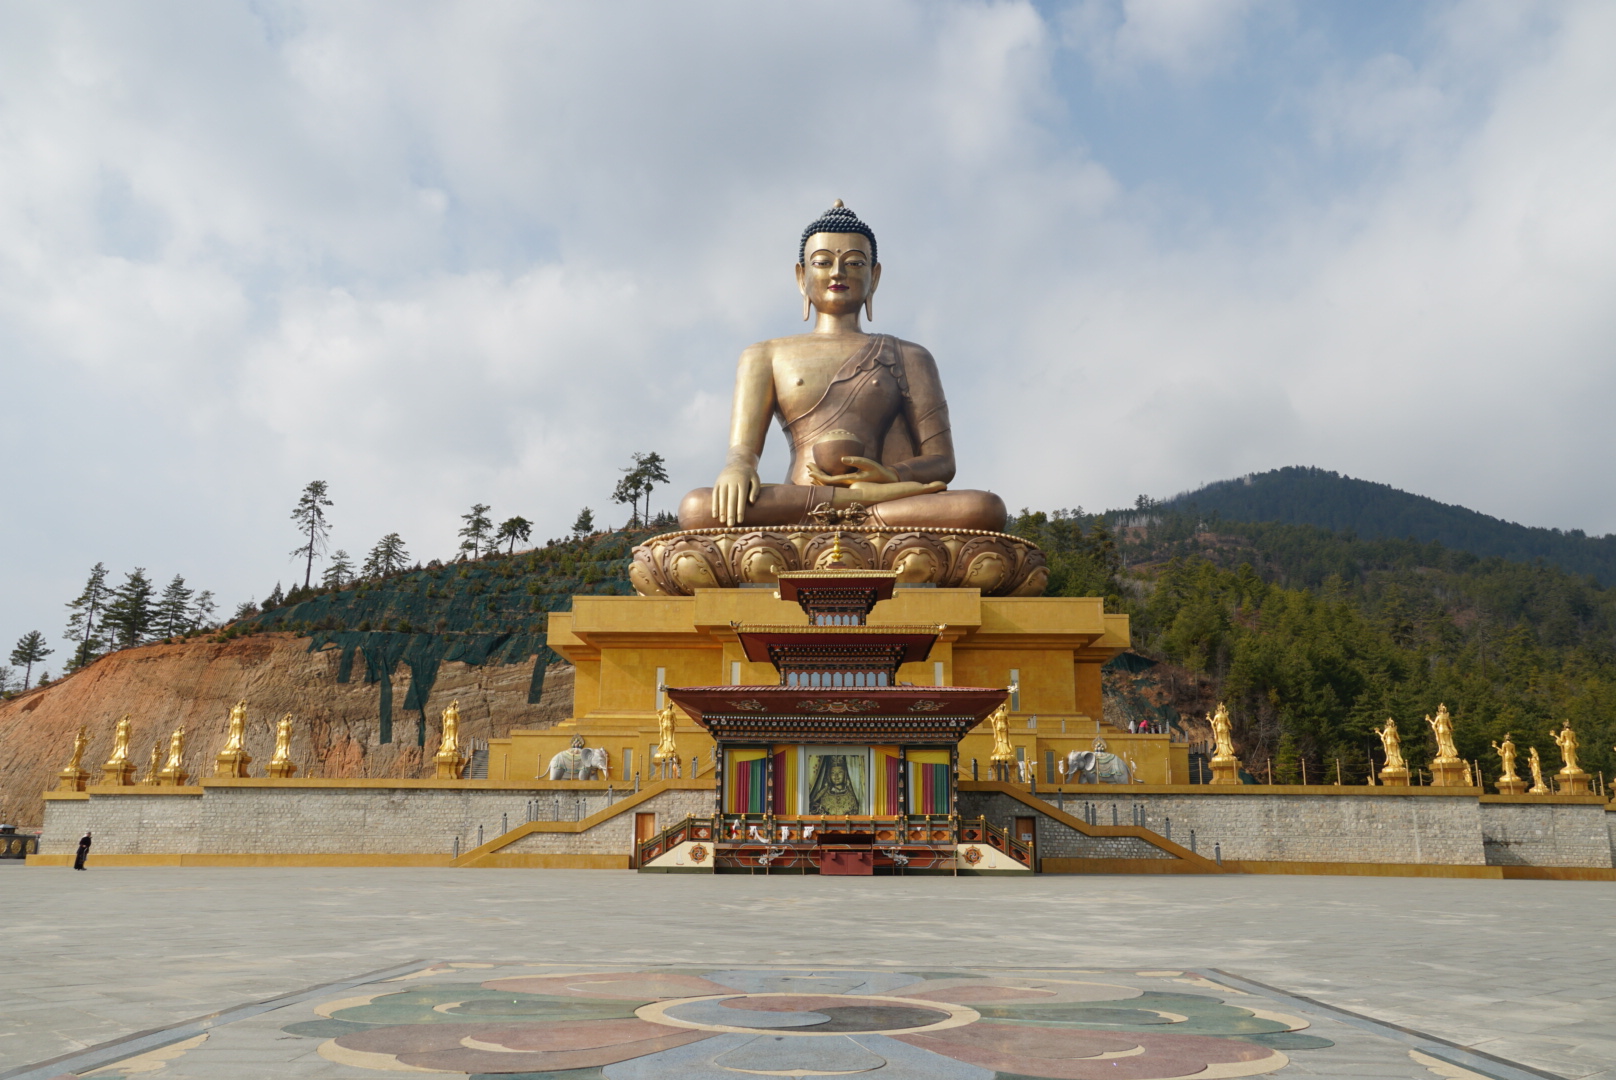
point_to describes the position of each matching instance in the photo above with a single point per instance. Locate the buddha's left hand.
(865, 471)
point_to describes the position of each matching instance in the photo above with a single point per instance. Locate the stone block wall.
(615, 836)
(1355, 828)
(329, 820)
(1529, 833)
(1056, 839)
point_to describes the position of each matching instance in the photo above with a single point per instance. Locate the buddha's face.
(837, 274)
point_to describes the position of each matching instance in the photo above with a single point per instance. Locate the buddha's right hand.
(735, 489)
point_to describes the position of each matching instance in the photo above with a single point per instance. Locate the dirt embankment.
(337, 725)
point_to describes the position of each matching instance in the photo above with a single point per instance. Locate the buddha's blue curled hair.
(838, 219)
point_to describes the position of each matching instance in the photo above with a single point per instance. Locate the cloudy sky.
(438, 254)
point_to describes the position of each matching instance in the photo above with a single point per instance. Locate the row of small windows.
(821, 619)
(836, 678)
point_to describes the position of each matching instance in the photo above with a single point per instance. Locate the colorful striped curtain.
(743, 784)
(928, 781)
(888, 776)
(785, 781)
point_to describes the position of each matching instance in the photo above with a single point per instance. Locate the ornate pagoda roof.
(915, 640)
(899, 714)
(877, 582)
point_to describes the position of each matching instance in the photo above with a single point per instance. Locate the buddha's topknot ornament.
(838, 219)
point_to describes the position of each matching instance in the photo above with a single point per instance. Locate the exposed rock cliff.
(337, 730)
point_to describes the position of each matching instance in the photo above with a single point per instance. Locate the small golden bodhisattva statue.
(1447, 768)
(73, 777)
(281, 764)
(1538, 786)
(173, 773)
(1225, 765)
(233, 759)
(1395, 772)
(1003, 755)
(1510, 782)
(666, 755)
(1571, 778)
(119, 771)
(448, 759)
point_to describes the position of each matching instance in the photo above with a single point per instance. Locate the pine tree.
(275, 598)
(339, 573)
(387, 557)
(638, 481)
(650, 466)
(516, 528)
(30, 650)
(81, 624)
(173, 613)
(6, 675)
(309, 513)
(129, 610)
(627, 493)
(475, 532)
(585, 523)
(202, 610)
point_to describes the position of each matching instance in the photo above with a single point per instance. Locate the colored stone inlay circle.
(809, 1014)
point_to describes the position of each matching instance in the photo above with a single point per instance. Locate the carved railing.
(691, 828)
(982, 831)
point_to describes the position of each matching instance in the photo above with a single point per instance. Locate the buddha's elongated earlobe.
(807, 308)
(869, 308)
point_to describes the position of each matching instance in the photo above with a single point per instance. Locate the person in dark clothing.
(84, 852)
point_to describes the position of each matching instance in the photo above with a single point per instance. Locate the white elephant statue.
(1097, 767)
(581, 763)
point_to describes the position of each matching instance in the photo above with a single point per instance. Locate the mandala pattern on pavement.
(532, 1021)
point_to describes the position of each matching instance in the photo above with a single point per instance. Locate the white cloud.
(448, 253)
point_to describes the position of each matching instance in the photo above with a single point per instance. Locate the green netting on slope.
(491, 611)
(384, 650)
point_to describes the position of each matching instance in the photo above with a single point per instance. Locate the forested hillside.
(1315, 637)
(1305, 496)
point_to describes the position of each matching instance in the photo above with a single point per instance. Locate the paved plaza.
(709, 976)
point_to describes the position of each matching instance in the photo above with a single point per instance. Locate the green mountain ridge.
(1300, 495)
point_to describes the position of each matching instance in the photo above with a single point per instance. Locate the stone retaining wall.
(1356, 828)
(327, 820)
(614, 836)
(1527, 833)
(1056, 839)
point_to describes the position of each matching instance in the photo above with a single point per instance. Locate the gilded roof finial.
(835, 204)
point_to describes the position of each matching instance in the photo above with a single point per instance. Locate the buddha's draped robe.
(901, 417)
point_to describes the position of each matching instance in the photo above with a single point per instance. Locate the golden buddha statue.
(1392, 743)
(1573, 779)
(865, 413)
(72, 776)
(173, 773)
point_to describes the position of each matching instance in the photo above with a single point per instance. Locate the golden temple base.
(1517, 786)
(72, 780)
(172, 777)
(449, 766)
(624, 647)
(1226, 770)
(282, 770)
(1394, 777)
